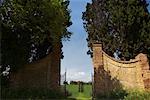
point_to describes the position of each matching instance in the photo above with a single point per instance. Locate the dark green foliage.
(138, 95)
(26, 22)
(23, 23)
(119, 24)
(124, 95)
(118, 94)
(41, 94)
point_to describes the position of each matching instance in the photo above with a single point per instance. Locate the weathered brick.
(133, 74)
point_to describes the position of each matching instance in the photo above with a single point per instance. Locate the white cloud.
(75, 75)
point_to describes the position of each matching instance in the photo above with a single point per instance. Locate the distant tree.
(119, 24)
(65, 82)
(73, 82)
(88, 83)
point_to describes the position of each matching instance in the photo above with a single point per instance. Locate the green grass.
(85, 95)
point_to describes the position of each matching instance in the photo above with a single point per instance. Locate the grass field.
(85, 95)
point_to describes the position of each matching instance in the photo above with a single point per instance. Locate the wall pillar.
(144, 64)
(54, 68)
(99, 84)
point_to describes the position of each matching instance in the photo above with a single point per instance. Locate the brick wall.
(44, 73)
(111, 74)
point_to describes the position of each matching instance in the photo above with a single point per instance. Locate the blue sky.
(76, 61)
(149, 5)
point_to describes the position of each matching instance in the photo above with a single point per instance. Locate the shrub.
(138, 95)
(31, 94)
(116, 94)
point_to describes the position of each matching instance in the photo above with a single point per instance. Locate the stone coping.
(119, 61)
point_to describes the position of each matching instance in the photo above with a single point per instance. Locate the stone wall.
(44, 73)
(111, 74)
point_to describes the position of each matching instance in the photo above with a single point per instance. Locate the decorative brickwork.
(111, 74)
(44, 73)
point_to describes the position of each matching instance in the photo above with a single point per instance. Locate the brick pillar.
(54, 75)
(99, 85)
(145, 70)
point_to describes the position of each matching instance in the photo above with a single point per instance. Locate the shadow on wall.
(108, 87)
